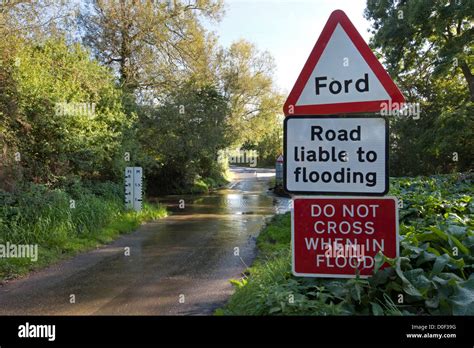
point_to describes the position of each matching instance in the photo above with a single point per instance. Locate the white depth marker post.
(133, 188)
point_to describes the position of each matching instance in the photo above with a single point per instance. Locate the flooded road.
(178, 265)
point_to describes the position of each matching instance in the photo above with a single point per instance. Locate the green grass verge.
(202, 185)
(433, 275)
(206, 185)
(43, 217)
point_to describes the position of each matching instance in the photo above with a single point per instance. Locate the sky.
(288, 29)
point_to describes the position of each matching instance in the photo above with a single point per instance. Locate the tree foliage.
(55, 142)
(407, 30)
(427, 46)
(147, 60)
(183, 136)
(150, 44)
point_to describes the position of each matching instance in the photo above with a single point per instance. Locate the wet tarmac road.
(178, 265)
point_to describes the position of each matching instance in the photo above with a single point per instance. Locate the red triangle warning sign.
(342, 75)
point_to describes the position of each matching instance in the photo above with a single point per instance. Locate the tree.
(151, 44)
(21, 23)
(183, 136)
(245, 76)
(427, 47)
(266, 129)
(66, 111)
(405, 30)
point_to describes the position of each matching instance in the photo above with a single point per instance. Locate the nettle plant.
(435, 268)
(434, 272)
(432, 276)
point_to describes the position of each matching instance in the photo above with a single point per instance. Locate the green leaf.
(425, 257)
(432, 302)
(407, 286)
(379, 261)
(356, 292)
(433, 251)
(274, 310)
(469, 242)
(417, 278)
(441, 234)
(381, 277)
(463, 299)
(337, 289)
(457, 231)
(440, 263)
(461, 247)
(377, 309)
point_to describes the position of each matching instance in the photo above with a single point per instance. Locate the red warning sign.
(335, 237)
(342, 75)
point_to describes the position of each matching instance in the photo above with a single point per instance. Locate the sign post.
(279, 170)
(327, 151)
(133, 188)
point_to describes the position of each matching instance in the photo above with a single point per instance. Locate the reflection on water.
(246, 198)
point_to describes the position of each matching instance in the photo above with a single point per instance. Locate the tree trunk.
(469, 78)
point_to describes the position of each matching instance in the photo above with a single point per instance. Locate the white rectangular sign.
(336, 155)
(133, 188)
(137, 188)
(129, 187)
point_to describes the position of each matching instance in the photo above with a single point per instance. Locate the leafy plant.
(433, 275)
(38, 215)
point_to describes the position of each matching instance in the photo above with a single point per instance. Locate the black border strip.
(221, 330)
(340, 193)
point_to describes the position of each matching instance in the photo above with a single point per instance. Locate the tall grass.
(38, 215)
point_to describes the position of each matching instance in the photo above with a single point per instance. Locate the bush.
(38, 215)
(42, 118)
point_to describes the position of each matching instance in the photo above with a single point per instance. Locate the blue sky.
(288, 29)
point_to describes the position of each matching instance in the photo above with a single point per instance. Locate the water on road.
(178, 265)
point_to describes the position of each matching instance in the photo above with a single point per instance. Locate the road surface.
(178, 265)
